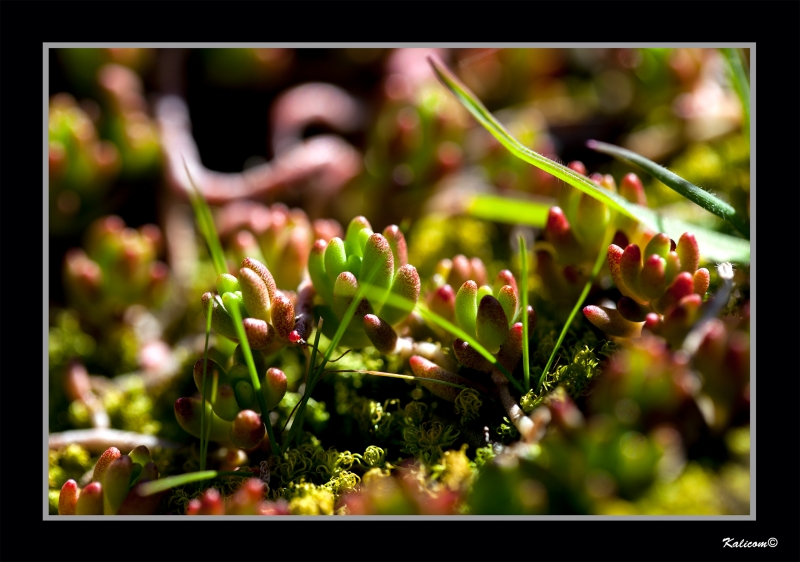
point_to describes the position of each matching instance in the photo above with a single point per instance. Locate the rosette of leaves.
(115, 488)
(268, 314)
(491, 315)
(663, 276)
(575, 229)
(118, 268)
(487, 313)
(232, 408)
(378, 263)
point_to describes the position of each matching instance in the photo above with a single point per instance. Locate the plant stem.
(523, 285)
(598, 264)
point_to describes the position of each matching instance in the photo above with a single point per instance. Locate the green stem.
(523, 286)
(203, 431)
(598, 264)
(251, 367)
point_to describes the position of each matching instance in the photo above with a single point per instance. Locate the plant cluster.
(452, 359)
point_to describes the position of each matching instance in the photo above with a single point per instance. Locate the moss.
(309, 499)
(468, 404)
(428, 440)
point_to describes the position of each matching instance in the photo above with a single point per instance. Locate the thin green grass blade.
(598, 265)
(164, 484)
(690, 191)
(203, 430)
(741, 84)
(397, 376)
(205, 222)
(715, 246)
(523, 285)
(510, 210)
(251, 368)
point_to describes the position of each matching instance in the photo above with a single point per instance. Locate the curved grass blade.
(397, 376)
(716, 246)
(741, 84)
(164, 484)
(205, 222)
(688, 190)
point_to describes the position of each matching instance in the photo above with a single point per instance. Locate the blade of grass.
(716, 246)
(523, 263)
(397, 376)
(741, 84)
(205, 222)
(690, 191)
(507, 210)
(598, 264)
(204, 432)
(164, 484)
(309, 377)
(238, 322)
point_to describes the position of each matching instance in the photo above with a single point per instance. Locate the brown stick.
(328, 160)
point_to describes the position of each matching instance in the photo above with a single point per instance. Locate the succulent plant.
(118, 268)
(115, 488)
(234, 390)
(658, 280)
(339, 268)
(575, 228)
(249, 499)
(485, 312)
(268, 314)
